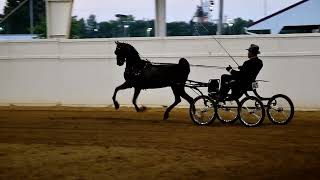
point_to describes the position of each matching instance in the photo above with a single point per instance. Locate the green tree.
(139, 28)
(19, 21)
(107, 29)
(39, 11)
(92, 26)
(82, 28)
(78, 28)
(179, 29)
(41, 28)
(75, 28)
(238, 26)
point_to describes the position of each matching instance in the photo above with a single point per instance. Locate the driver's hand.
(229, 68)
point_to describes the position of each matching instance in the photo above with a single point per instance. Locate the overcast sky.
(177, 10)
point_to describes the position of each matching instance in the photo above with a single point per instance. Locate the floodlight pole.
(220, 24)
(31, 16)
(265, 7)
(160, 19)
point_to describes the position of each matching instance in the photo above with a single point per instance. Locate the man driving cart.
(228, 108)
(240, 80)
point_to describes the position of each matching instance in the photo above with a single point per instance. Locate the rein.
(192, 65)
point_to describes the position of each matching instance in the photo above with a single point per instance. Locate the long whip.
(226, 51)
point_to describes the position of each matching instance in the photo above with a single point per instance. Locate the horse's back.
(157, 76)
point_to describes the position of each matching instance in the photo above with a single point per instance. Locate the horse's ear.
(117, 42)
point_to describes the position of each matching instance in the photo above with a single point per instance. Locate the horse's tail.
(185, 66)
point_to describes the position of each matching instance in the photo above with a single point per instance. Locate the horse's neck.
(132, 61)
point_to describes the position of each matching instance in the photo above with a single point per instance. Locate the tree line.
(123, 26)
(90, 28)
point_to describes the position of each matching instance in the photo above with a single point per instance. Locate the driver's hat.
(254, 49)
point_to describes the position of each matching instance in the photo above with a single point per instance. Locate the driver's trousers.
(230, 82)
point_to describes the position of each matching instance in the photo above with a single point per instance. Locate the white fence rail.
(84, 72)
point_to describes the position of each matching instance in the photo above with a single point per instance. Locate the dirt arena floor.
(101, 143)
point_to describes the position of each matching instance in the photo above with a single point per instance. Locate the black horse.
(141, 74)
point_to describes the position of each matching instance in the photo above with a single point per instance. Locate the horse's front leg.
(125, 85)
(134, 100)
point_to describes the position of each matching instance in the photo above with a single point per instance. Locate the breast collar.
(136, 70)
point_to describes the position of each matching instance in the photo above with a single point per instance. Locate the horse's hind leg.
(186, 96)
(134, 100)
(177, 93)
(125, 85)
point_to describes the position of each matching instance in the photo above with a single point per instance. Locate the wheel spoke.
(280, 109)
(252, 111)
(285, 115)
(254, 114)
(203, 112)
(228, 111)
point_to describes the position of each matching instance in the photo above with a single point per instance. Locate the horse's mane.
(133, 51)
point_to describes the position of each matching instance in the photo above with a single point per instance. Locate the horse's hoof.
(143, 108)
(116, 105)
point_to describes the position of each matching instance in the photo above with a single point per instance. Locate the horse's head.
(121, 53)
(126, 52)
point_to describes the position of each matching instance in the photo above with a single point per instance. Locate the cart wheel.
(203, 110)
(280, 109)
(251, 111)
(228, 112)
